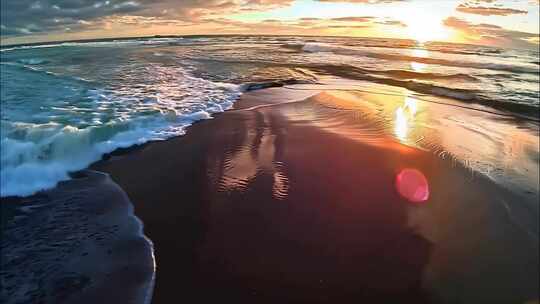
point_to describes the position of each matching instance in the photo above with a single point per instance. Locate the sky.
(504, 23)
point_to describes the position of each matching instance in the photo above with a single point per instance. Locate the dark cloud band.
(24, 17)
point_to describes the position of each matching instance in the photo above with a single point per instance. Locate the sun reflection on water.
(417, 66)
(411, 105)
(401, 124)
(404, 117)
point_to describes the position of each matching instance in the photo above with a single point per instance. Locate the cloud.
(351, 22)
(354, 19)
(20, 17)
(309, 26)
(488, 11)
(392, 22)
(87, 19)
(24, 17)
(347, 26)
(309, 19)
(491, 34)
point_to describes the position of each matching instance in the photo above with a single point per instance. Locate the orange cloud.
(488, 11)
(353, 25)
(354, 19)
(491, 34)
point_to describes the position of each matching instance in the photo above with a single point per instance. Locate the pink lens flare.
(412, 185)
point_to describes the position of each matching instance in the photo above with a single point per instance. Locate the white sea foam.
(45, 156)
(38, 156)
(24, 47)
(128, 42)
(319, 47)
(32, 61)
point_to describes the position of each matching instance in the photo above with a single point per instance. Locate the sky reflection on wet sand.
(451, 203)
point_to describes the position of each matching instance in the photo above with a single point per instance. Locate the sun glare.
(425, 28)
(418, 66)
(404, 118)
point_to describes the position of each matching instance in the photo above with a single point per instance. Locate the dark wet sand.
(77, 243)
(263, 206)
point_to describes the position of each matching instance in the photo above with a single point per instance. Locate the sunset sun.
(426, 28)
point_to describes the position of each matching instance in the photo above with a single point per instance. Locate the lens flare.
(412, 185)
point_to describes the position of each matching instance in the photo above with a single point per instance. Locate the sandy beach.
(300, 196)
(269, 152)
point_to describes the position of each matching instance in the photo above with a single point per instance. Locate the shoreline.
(239, 206)
(296, 202)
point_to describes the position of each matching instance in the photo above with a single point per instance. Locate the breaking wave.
(36, 156)
(318, 47)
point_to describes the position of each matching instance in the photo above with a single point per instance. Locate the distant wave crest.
(319, 47)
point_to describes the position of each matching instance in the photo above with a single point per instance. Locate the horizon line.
(89, 40)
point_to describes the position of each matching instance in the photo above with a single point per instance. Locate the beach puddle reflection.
(503, 148)
(450, 229)
(255, 157)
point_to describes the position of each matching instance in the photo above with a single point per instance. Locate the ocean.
(66, 105)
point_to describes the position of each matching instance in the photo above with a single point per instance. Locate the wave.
(428, 88)
(34, 68)
(405, 74)
(422, 82)
(37, 156)
(325, 48)
(400, 74)
(406, 79)
(437, 90)
(252, 86)
(32, 61)
(45, 154)
(293, 46)
(25, 47)
(441, 47)
(105, 43)
(469, 96)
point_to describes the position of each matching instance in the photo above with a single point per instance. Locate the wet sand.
(297, 203)
(77, 243)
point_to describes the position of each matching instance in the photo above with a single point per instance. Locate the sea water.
(65, 105)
